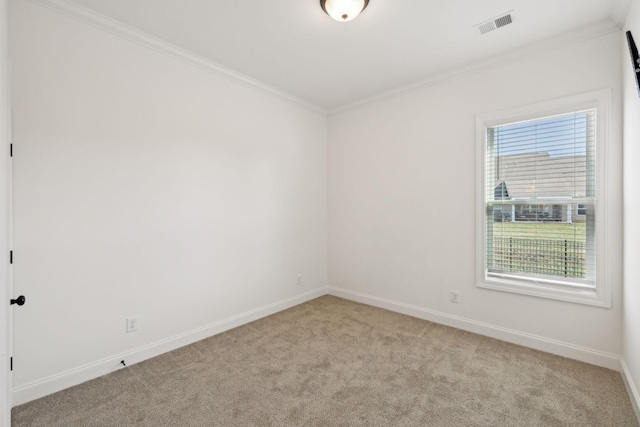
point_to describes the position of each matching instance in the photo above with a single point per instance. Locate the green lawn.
(541, 230)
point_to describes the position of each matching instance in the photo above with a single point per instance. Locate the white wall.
(631, 149)
(145, 186)
(402, 180)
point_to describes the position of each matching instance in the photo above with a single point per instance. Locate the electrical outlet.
(299, 280)
(132, 324)
(455, 297)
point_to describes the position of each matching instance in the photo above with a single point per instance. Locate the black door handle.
(20, 300)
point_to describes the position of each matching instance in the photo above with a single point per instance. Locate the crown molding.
(619, 12)
(102, 22)
(567, 39)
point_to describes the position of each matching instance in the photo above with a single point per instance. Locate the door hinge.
(11, 363)
(10, 150)
(10, 257)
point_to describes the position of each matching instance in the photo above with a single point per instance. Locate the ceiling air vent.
(495, 23)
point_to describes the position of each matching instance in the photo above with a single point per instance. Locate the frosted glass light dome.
(343, 10)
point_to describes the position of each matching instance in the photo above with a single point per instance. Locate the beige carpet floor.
(332, 362)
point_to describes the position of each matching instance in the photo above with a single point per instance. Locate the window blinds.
(540, 200)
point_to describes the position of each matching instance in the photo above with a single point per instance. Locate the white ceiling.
(293, 46)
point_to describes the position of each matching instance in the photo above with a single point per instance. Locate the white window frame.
(601, 295)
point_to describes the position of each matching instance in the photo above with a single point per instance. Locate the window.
(539, 209)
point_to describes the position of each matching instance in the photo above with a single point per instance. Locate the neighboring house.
(564, 181)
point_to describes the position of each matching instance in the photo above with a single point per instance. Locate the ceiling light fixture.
(343, 10)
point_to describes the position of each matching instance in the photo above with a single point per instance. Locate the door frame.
(5, 220)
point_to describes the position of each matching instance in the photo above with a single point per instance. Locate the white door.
(5, 223)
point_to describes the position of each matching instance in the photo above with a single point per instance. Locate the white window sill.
(577, 295)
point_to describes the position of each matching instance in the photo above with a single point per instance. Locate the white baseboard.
(547, 345)
(88, 372)
(634, 395)
(63, 380)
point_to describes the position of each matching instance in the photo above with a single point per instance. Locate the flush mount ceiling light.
(343, 10)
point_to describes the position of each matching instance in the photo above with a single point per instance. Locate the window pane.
(540, 205)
